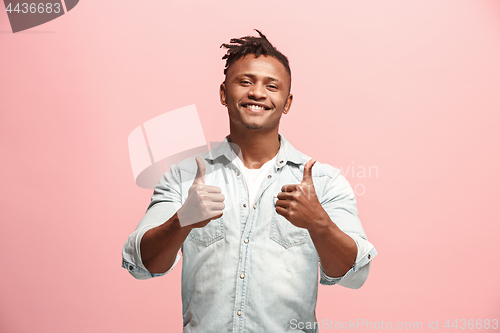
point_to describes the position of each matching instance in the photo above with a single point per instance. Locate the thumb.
(308, 172)
(200, 173)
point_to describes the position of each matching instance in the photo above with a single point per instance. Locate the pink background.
(410, 88)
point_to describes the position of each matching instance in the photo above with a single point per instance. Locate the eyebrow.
(252, 76)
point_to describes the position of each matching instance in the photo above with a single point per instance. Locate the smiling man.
(254, 217)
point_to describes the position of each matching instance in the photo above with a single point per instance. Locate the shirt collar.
(287, 153)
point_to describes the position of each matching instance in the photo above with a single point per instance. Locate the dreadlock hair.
(240, 47)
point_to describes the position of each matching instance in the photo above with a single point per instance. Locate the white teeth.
(256, 107)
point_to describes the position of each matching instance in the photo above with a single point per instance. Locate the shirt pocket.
(209, 234)
(285, 233)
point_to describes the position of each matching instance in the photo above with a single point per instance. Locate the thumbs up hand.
(204, 202)
(299, 204)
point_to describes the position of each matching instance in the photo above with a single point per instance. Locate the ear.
(288, 104)
(222, 94)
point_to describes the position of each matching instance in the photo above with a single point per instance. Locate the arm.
(160, 245)
(339, 202)
(333, 225)
(152, 249)
(336, 250)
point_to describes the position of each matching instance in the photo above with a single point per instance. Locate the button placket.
(248, 216)
(242, 197)
(240, 299)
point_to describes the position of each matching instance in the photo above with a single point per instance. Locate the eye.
(245, 82)
(272, 86)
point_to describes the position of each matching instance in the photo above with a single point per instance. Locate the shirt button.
(281, 161)
(245, 240)
(239, 313)
(269, 176)
(130, 268)
(369, 256)
(255, 206)
(244, 205)
(242, 276)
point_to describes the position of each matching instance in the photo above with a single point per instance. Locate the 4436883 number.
(33, 8)
(472, 324)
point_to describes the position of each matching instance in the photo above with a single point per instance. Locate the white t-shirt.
(254, 177)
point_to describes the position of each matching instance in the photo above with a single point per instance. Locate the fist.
(299, 204)
(204, 202)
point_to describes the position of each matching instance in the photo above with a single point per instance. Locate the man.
(253, 216)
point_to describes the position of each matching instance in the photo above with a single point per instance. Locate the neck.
(257, 147)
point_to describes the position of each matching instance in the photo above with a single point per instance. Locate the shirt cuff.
(357, 275)
(131, 256)
(142, 274)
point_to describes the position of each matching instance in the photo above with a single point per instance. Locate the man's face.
(256, 92)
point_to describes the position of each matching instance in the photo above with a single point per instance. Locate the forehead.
(265, 66)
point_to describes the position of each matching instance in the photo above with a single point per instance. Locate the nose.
(257, 92)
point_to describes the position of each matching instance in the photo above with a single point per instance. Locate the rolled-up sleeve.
(339, 202)
(165, 201)
(358, 274)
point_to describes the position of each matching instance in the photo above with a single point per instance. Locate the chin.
(253, 127)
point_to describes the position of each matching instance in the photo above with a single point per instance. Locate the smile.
(255, 107)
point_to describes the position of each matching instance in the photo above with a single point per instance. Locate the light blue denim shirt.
(251, 270)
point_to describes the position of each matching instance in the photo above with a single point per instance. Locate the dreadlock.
(240, 47)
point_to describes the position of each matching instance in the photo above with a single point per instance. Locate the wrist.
(173, 225)
(320, 224)
(325, 227)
